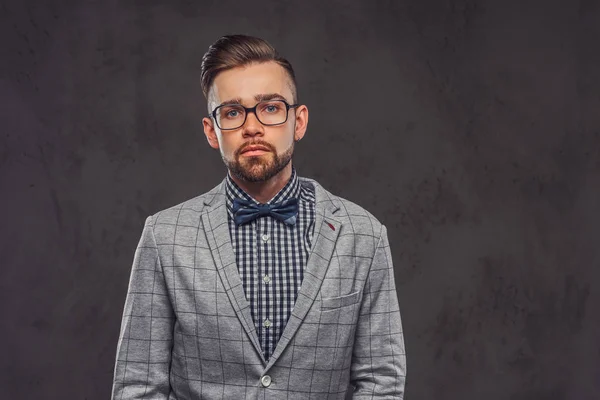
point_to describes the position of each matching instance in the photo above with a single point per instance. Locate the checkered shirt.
(271, 257)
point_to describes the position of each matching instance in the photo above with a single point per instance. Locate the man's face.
(246, 85)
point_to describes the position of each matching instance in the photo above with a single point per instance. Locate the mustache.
(262, 144)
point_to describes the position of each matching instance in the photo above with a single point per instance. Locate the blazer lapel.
(216, 227)
(317, 264)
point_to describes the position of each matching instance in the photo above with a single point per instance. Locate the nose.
(252, 126)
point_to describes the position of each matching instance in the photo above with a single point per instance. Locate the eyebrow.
(258, 98)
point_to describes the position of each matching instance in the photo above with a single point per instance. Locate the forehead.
(247, 81)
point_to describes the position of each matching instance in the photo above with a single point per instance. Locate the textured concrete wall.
(470, 128)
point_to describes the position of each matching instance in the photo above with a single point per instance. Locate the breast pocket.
(333, 303)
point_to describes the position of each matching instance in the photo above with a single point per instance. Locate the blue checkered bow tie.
(245, 211)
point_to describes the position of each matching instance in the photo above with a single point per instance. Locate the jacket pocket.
(332, 303)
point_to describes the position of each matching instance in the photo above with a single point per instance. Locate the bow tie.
(245, 211)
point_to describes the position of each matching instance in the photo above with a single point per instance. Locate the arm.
(379, 361)
(144, 347)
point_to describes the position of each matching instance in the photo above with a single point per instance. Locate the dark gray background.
(471, 129)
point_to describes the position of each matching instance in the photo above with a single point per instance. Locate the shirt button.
(267, 323)
(265, 238)
(267, 279)
(265, 380)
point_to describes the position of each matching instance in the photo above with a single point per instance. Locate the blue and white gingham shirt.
(271, 257)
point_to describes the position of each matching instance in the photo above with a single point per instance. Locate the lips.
(253, 148)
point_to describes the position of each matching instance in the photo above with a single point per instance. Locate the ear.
(209, 131)
(301, 115)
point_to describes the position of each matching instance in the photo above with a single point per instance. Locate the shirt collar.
(233, 191)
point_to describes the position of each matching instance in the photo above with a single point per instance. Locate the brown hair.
(232, 51)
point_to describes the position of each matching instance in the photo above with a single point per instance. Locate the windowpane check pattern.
(271, 257)
(187, 331)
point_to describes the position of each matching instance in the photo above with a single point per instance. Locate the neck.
(265, 190)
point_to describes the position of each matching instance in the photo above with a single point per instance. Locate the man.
(267, 286)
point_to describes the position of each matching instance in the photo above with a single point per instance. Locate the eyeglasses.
(271, 112)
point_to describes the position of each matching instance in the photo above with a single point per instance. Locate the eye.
(272, 107)
(231, 112)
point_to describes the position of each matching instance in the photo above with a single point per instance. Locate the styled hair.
(232, 51)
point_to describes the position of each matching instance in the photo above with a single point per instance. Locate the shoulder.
(187, 212)
(348, 212)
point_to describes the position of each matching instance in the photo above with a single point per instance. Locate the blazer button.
(265, 380)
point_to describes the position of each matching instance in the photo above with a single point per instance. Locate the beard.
(259, 168)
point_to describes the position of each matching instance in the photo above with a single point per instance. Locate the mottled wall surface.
(471, 129)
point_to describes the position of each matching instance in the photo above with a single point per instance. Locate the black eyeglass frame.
(247, 110)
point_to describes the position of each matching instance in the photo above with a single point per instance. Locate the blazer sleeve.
(143, 357)
(378, 367)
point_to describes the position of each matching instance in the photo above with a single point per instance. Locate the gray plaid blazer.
(187, 332)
